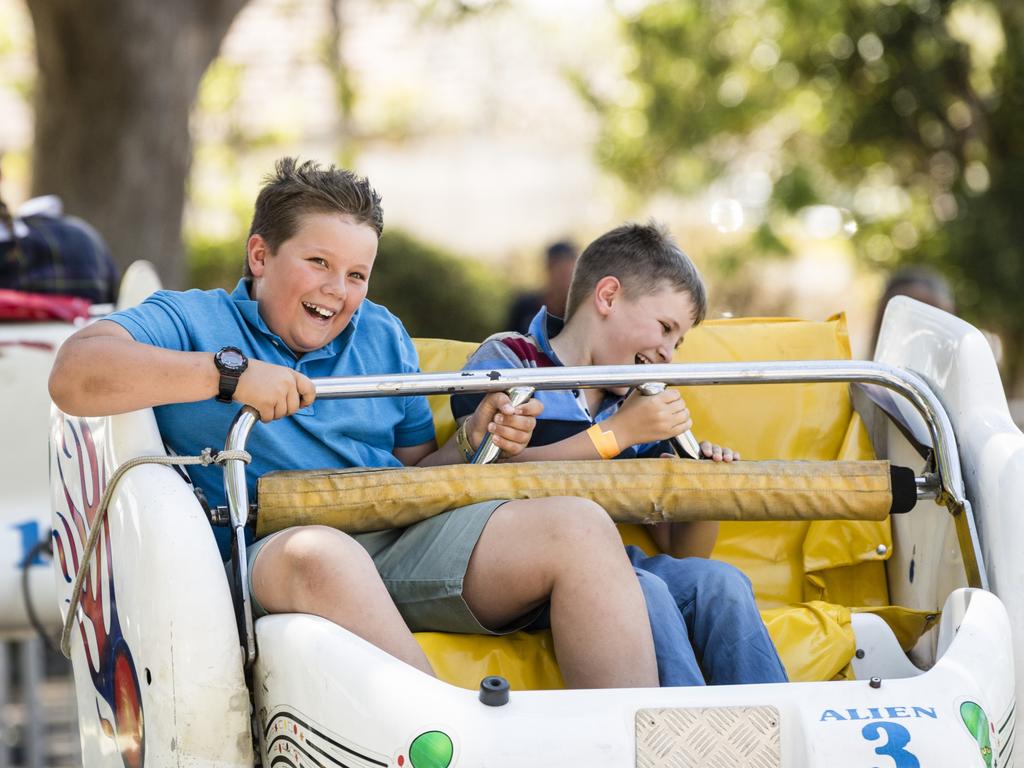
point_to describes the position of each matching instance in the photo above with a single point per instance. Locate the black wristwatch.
(231, 362)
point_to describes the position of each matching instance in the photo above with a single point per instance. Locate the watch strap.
(228, 385)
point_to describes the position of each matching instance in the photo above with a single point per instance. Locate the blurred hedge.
(435, 293)
(214, 263)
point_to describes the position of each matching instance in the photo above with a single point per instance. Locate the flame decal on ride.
(110, 661)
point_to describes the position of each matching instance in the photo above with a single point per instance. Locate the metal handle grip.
(684, 444)
(488, 451)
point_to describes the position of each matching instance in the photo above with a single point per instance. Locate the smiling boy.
(634, 295)
(299, 312)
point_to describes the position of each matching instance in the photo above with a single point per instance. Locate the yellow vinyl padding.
(630, 490)
(525, 659)
(441, 355)
(814, 640)
(804, 573)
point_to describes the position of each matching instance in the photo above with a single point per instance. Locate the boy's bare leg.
(569, 550)
(318, 570)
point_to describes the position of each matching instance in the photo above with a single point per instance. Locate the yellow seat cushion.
(438, 355)
(814, 640)
(803, 573)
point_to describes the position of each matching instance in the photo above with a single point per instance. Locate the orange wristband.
(605, 442)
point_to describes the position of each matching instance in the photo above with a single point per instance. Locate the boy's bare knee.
(578, 521)
(588, 517)
(314, 557)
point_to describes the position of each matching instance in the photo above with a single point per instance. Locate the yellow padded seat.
(806, 576)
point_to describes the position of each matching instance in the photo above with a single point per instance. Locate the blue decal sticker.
(897, 738)
(29, 538)
(879, 713)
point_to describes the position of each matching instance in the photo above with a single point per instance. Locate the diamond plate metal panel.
(708, 737)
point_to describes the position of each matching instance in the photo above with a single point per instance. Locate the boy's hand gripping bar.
(488, 451)
(684, 444)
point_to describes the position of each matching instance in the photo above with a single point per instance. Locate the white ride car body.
(161, 677)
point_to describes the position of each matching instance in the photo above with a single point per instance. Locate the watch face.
(231, 358)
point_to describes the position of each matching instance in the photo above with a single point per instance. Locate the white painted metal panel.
(155, 651)
(956, 360)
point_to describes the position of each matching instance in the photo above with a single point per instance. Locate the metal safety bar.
(238, 506)
(946, 483)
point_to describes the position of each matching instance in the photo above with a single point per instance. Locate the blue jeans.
(705, 622)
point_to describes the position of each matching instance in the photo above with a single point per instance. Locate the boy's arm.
(509, 426)
(579, 446)
(101, 370)
(641, 419)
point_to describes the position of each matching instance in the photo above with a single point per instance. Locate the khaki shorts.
(424, 567)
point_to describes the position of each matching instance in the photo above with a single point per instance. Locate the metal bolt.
(881, 549)
(875, 682)
(860, 653)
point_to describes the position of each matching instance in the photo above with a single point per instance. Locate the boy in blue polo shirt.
(300, 312)
(634, 295)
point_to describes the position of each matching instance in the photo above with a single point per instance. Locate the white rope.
(206, 458)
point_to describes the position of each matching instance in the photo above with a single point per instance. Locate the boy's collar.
(543, 328)
(249, 308)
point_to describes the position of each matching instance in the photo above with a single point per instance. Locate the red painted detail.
(401, 761)
(108, 656)
(105, 725)
(21, 305)
(45, 346)
(62, 558)
(127, 711)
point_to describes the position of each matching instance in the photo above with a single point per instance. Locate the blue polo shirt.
(327, 434)
(566, 412)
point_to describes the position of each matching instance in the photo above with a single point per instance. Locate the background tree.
(904, 112)
(116, 80)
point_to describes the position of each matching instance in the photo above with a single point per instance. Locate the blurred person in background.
(42, 251)
(921, 283)
(560, 260)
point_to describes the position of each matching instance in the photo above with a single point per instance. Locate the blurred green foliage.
(214, 263)
(908, 113)
(435, 293)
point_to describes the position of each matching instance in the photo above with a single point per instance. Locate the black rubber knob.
(494, 691)
(904, 489)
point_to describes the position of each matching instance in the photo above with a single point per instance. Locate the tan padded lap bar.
(631, 490)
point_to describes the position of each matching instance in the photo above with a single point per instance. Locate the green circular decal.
(432, 749)
(977, 723)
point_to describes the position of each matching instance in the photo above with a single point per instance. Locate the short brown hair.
(645, 259)
(296, 189)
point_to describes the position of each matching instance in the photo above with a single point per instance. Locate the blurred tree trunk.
(116, 82)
